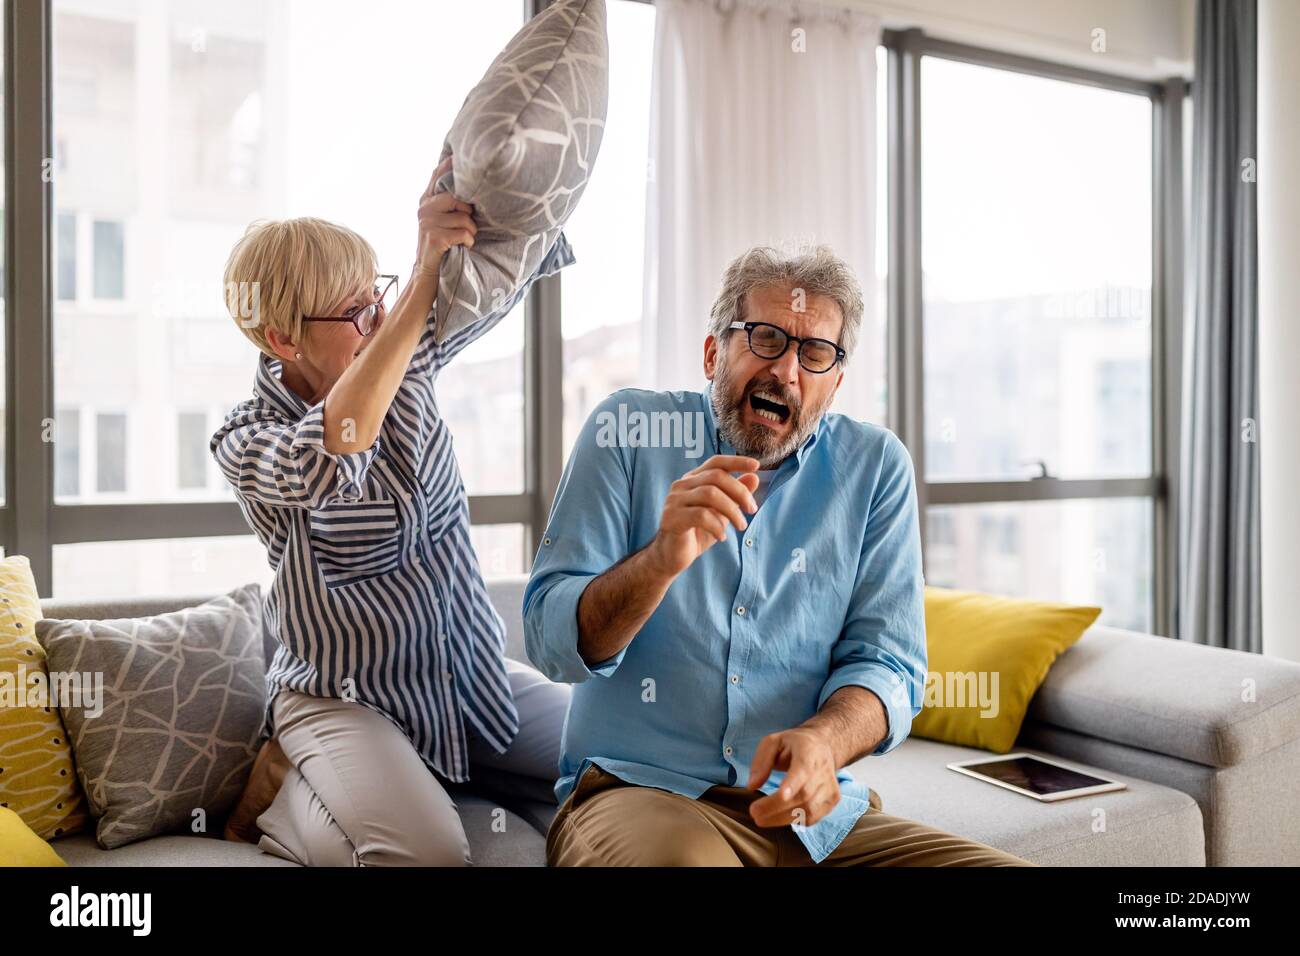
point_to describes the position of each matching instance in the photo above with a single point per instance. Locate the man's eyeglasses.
(363, 317)
(770, 342)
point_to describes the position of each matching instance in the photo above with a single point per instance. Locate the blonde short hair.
(282, 270)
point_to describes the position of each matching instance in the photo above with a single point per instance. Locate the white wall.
(1151, 39)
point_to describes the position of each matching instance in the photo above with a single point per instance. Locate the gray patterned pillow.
(179, 719)
(524, 145)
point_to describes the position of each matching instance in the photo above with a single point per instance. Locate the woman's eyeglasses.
(770, 342)
(363, 317)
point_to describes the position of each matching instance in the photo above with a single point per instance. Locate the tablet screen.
(1035, 775)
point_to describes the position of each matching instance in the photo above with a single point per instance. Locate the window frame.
(905, 319)
(31, 522)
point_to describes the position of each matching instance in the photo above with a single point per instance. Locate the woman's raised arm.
(357, 403)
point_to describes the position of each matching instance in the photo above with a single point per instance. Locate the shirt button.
(749, 542)
(727, 750)
(741, 610)
(446, 675)
(546, 540)
(735, 678)
(443, 639)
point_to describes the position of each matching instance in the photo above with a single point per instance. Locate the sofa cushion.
(1248, 809)
(172, 850)
(37, 778)
(987, 655)
(523, 147)
(19, 846)
(496, 835)
(1206, 704)
(180, 717)
(1145, 825)
(507, 596)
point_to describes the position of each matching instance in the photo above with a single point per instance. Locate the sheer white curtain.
(763, 129)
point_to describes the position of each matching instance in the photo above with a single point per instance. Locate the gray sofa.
(1211, 780)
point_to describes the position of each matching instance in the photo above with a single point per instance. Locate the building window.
(65, 280)
(67, 452)
(110, 452)
(192, 457)
(109, 260)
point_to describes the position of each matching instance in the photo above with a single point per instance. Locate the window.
(67, 452)
(500, 548)
(110, 260)
(1076, 550)
(176, 125)
(192, 456)
(603, 290)
(66, 275)
(183, 121)
(481, 397)
(1036, 255)
(110, 452)
(160, 567)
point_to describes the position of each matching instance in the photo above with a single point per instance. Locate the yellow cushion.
(19, 846)
(987, 657)
(37, 779)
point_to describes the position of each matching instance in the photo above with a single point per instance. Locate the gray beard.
(757, 441)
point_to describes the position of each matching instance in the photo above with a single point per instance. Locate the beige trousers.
(608, 822)
(359, 795)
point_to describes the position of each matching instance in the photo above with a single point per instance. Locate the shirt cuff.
(560, 635)
(559, 256)
(349, 467)
(886, 684)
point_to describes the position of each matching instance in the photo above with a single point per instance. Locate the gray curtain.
(1219, 597)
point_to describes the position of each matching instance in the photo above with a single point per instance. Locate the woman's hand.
(444, 222)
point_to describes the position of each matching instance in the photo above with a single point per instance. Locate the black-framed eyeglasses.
(363, 317)
(769, 341)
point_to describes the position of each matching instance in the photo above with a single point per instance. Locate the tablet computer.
(1037, 777)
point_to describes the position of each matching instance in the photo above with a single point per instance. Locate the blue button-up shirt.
(822, 590)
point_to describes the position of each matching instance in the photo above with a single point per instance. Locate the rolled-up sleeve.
(285, 464)
(587, 533)
(882, 647)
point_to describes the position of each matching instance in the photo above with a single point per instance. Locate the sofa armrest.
(1204, 704)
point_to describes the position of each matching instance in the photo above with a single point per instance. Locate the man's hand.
(810, 789)
(699, 506)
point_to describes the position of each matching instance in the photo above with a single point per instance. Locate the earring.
(297, 355)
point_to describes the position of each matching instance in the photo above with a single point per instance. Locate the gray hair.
(815, 269)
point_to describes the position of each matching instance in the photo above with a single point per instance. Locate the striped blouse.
(377, 595)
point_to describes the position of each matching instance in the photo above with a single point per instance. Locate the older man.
(741, 629)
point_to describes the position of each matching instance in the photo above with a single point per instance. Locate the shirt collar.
(724, 447)
(268, 387)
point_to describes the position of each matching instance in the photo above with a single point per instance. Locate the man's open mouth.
(768, 406)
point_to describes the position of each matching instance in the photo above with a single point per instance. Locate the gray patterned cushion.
(182, 707)
(523, 148)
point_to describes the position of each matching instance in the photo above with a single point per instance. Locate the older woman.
(388, 680)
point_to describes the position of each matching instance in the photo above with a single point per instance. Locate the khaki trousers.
(608, 822)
